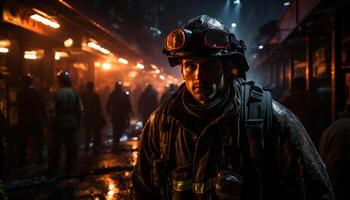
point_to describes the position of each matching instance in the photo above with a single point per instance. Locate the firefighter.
(66, 110)
(148, 102)
(220, 136)
(93, 117)
(120, 110)
(32, 119)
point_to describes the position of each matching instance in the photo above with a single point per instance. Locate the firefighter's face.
(204, 78)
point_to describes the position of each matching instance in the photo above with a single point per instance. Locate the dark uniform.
(195, 148)
(32, 118)
(67, 108)
(119, 107)
(148, 102)
(334, 150)
(167, 94)
(93, 117)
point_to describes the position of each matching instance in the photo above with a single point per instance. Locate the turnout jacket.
(292, 168)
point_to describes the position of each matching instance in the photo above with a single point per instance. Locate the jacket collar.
(178, 112)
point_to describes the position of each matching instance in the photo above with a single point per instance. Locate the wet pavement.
(103, 174)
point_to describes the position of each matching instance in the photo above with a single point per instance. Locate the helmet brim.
(238, 58)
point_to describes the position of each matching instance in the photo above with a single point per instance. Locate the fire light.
(45, 21)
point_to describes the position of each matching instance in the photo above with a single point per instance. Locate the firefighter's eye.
(190, 65)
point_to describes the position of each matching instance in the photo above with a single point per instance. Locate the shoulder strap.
(256, 114)
(160, 171)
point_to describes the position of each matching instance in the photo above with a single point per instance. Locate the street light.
(98, 48)
(33, 55)
(261, 46)
(123, 61)
(45, 21)
(287, 3)
(154, 66)
(236, 1)
(4, 50)
(233, 25)
(140, 66)
(68, 42)
(106, 66)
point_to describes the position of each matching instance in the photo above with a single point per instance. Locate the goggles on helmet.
(178, 39)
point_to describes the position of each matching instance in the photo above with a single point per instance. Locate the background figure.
(301, 103)
(3, 133)
(120, 110)
(67, 108)
(334, 150)
(167, 94)
(93, 118)
(32, 118)
(148, 102)
(104, 94)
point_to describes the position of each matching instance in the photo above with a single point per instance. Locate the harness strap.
(257, 113)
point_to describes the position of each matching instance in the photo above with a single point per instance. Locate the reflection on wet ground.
(110, 183)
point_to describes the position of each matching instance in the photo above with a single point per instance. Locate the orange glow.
(5, 43)
(132, 74)
(127, 174)
(97, 64)
(59, 55)
(154, 66)
(133, 158)
(106, 66)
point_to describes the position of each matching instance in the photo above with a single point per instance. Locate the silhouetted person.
(148, 102)
(335, 152)
(167, 94)
(301, 103)
(120, 110)
(93, 118)
(104, 94)
(44, 91)
(66, 110)
(3, 132)
(32, 118)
